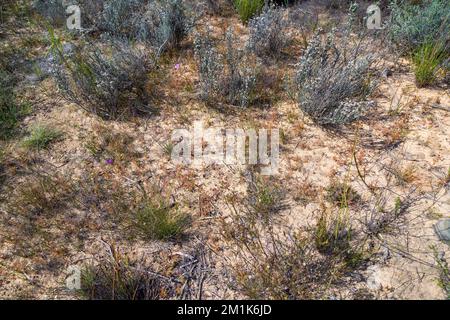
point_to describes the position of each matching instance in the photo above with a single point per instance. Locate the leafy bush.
(158, 220)
(414, 25)
(112, 86)
(41, 137)
(230, 77)
(248, 8)
(427, 60)
(265, 197)
(268, 33)
(333, 82)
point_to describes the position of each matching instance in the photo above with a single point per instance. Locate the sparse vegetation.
(41, 196)
(87, 179)
(342, 194)
(248, 8)
(282, 264)
(428, 60)
(41, 137)
(444, 271)
(117, 277)
(265, 197)
(11, 111)
(110, 145)
(159, 220)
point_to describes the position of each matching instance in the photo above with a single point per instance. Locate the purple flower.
(109, 161)
(177, 66)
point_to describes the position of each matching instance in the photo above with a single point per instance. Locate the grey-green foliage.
(227, 77)
(118, 17)
(54, 11)
(111, 85)
(210, 66)
(268, 33)
(333, 82)
(165, 24)
(162, 24)
(414, 25)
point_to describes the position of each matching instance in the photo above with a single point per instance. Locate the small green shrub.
(41, 137)
(158, 220)
(265, 197)
(427, 60)
(332, 234)
(248, 8)
(416, 24)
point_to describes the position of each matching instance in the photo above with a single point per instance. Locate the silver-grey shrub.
(210, 67)
(162, 24)
(268, 33)
(228, 77)
(118, 18)
(159, 23)
(113, 84)
(332, 82)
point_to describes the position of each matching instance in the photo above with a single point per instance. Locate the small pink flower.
(177, 66)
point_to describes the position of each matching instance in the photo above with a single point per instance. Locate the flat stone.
(442, 229)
